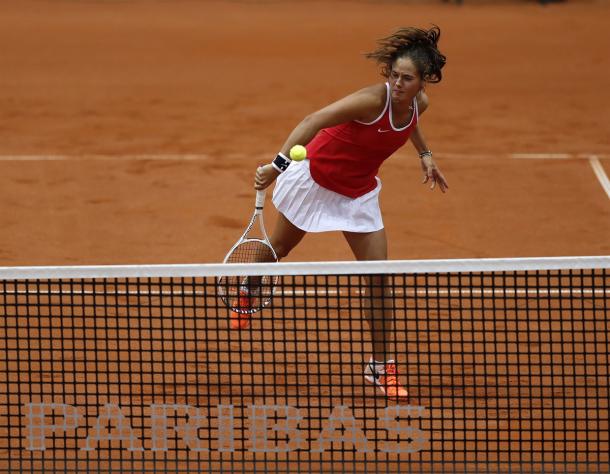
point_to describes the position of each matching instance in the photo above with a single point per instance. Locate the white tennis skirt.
(313, 208)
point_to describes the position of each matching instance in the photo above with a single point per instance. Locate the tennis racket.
(249, 294)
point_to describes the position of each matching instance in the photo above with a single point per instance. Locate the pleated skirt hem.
(313, 208)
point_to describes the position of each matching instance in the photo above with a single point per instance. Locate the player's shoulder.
(371, 97)
(375, 92)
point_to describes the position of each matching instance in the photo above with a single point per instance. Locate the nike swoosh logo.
(380, 130)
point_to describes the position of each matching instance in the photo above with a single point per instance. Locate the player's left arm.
(431, 172)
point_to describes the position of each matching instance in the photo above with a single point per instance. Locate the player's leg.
(379, 312)
(285, 236)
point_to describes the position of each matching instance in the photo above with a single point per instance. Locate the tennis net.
(136, 369)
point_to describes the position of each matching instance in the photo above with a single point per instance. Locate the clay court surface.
(130, 130)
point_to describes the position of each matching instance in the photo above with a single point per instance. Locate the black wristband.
(425, 153)
(281, 162)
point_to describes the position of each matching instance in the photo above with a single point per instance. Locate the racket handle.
(260, 199)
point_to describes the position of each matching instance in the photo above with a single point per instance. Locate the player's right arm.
(364, 105)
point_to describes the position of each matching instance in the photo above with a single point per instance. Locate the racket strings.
(248, 294)
(252, 251)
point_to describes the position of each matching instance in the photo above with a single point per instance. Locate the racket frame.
(257, 215)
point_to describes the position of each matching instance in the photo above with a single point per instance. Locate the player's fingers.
(260, 186)
(259, 178)
(427, 175)
(442, 182)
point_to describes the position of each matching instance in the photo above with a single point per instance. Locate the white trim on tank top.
(415, 111)
(388, 103)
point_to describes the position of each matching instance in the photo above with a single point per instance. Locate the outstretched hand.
(432, 174)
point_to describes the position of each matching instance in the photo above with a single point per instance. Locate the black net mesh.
(506, 372)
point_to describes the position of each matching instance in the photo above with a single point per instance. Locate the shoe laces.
(249, 291)
(244, 302)
(390, 375)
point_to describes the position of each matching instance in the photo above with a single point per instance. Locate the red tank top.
(346, 158)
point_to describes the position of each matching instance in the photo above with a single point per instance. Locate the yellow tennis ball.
(298, 153)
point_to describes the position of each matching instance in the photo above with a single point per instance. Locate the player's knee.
(281, 250)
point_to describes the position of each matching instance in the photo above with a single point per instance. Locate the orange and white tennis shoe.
(240, 316)
(385, 378)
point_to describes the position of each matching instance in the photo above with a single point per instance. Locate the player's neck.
(403, 106)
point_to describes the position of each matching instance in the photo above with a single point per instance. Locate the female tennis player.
(336, 187)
